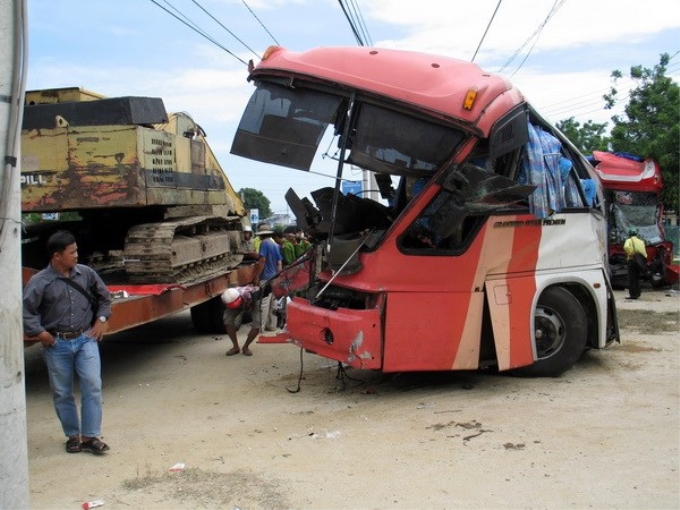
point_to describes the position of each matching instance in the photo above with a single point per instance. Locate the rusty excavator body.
(151, 202)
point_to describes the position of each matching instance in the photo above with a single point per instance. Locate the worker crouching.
(237, 301)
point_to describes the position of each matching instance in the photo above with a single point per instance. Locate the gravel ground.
(603, 435)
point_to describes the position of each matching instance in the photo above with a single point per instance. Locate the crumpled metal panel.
(353, 337)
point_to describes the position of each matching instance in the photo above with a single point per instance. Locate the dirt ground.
(604, 435)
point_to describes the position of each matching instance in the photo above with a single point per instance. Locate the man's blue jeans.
(64, 360)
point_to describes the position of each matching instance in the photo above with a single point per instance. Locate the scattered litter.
(93, 504)
(178, 467)
(327, 435)
(511, 446)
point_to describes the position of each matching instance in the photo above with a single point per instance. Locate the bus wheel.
(560, 330)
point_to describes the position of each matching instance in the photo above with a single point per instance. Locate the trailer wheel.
(207, 317)
(561, 332)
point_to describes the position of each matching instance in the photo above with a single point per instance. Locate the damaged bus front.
(488, 246)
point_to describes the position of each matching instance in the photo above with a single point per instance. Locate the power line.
(196, 29)
(556, 6)
(581, 101)
(360, 20)
(261, 24)
(220, 24)
(352, 25)
(488, 25)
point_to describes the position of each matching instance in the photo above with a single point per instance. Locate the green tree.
(650, 126)
(255, 199)
(587, 138)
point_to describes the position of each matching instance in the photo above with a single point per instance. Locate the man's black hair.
(58, 242)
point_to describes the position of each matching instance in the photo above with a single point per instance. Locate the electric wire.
(357, 24)
(220, 24)
(186, 18)
(581, 102)
(357, 36)
(488, 25)
(359, 20)
(533, 45)
(196, 29)
(260, 22)
(556, 6)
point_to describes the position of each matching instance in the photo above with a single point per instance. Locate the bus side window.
(562, 182)
(580, 190)
(469, 194)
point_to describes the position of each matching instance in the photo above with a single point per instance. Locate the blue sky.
(134, 48)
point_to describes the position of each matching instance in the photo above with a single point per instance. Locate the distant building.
(283, 219)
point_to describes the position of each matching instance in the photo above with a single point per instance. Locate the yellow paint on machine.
(123, 166)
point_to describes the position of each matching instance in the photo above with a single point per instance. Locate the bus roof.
(625, 172)
(423, 81)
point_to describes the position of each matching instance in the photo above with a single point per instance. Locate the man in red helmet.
(238, 300)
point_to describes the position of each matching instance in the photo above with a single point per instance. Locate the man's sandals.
(73, 445)
(94, 445)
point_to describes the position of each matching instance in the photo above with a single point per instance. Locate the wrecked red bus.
(632, 187)
(488, 245)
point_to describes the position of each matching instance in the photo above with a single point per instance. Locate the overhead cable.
(556, 6)
(359, 19)
(488, 25)
(258, 20)
(357, 36)
(195, 28)
(220, 24)
(579, 102)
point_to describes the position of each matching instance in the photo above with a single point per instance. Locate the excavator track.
(182, 249)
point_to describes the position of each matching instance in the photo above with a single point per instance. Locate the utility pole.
(13, 444)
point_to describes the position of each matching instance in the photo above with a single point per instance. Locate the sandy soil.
(604, 435)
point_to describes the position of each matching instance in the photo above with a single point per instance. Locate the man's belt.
(68, 335)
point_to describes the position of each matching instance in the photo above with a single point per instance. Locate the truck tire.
(561, 332)
(207, 317)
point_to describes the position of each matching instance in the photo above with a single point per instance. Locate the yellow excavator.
(140, 188)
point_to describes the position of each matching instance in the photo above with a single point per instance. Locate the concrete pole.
(13, 445)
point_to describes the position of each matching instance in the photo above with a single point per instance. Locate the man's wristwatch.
(102, 319)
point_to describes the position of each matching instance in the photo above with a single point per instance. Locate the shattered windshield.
(387, 141)
(639, 210)
(284, 126)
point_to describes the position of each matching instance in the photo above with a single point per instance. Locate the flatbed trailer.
(134, 305)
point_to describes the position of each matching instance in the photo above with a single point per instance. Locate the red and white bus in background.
(632, 188)
(490, 247)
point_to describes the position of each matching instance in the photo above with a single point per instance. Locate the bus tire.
(561, 332)
(207, 317)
